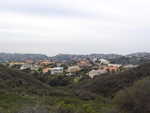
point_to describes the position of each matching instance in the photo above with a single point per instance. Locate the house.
(73, 69)
(130, 66)
(57, 70)
(35, 67)
(117, 65)
(94, 60)
(46, 70)
(58, 64)
(104, 62)
(46, 62)
(111, 68)
(29, 61)
(15, 63)
(98, 72)
(26, 66)
(84, 63)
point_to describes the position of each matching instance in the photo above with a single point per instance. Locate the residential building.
(130, 66)
(46, 62)
(29, 61)
(35, 67)
(104, 62)
(46, 70)
(98, 72)
(111, 68)
(15, 63)
(57, 70)
(116, 65)
(73, 69)
(26, 66)
(84, 63)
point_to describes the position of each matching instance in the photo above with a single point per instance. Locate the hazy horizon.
(74, 27)
(74, 53)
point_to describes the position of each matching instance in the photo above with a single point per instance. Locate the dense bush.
(109, 84)
(59, 80)
(34, 110)
(85, 95)
(135, 99)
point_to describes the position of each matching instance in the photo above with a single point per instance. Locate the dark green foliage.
(135, 99)
(34, 110)
(14, 80)
(108, 85)
(23, 92)
(11, 103)
(59, 80)
(85, 95)
(22, 83)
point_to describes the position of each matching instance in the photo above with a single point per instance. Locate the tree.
(135, 99)
(59, 80)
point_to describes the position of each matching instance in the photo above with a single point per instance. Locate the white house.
(57, 70)
(35, 67)
(98, 72)
(16, 63)
(130, 66)
(29, 66)
(116, 65)
(104, 62)
(26, 66)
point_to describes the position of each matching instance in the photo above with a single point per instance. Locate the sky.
(74, 26)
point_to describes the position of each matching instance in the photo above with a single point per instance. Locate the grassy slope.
(62, 100)
(10, 103)
(20, 90)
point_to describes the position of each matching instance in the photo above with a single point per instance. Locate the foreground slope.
(19, 82)
(22, 93)
(108, 85)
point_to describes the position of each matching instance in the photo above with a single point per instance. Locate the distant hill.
(4, 57)
(140, 54)
(108, 85)
(135, 58)
(130, 60)
(69, 57)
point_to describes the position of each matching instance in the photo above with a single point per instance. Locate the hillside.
(19, 82)
(140, 54)
(108, 85)
(4, 57)
(22, 93)
(133, 58)
(69, 57)
(124, 60)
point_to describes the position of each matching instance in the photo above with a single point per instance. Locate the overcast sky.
(74, 26)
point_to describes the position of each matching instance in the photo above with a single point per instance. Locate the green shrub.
(59, 80)
(135, 99)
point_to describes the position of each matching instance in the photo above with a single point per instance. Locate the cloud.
(74, 26)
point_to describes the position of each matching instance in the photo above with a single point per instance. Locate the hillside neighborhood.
(90, 67)
(86, 85)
